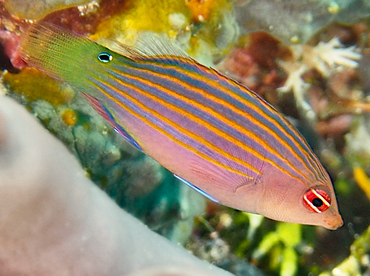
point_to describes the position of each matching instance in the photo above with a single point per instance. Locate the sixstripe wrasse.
(211, 132)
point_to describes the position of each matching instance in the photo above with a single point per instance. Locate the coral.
(326, 58)
(24, 82)
(9, 42)
(337, 125)
(332, 113)
(69, 117)
(297, 21)
(35, 9)
(357, 150)
(282, 246)
(201, 9)
(54, 221)
(174, 19)
(289, 21)
(254, 65)
(357, 263)
(296, 84)
(210, 241)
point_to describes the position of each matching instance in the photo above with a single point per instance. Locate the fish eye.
(105, 57)
(316, 200)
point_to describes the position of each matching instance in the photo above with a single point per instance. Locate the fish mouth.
(334, 222)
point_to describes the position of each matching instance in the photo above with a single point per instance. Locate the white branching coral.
(326, 58)
(296, 84)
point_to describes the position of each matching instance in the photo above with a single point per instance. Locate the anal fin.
(196, 188)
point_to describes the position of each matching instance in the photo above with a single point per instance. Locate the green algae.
(358, 262)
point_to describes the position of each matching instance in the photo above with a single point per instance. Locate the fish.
(211, 132)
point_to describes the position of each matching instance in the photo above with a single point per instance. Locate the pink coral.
(254, 65)
(10, 42)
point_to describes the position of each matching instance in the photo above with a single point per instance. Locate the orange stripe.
(318, 168)
(204, 123)
(142, 106)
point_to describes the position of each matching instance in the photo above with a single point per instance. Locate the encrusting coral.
(54, 221)
(294, 21)
(38, 9)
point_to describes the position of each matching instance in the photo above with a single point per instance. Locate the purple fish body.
(212, 133)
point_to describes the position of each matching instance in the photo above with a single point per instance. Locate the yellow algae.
(334, 8)
(35, 85)
(204, 41)
(362, 180)
(69, 117)
(202, 9)
(142, 15)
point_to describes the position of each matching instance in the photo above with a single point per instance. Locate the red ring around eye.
(316, 200)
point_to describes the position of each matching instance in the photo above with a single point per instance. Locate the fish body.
(211, 132)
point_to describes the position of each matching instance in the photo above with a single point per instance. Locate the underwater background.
(310, 59)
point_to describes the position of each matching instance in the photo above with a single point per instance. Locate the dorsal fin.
(148, 45)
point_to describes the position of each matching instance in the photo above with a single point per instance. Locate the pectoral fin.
(108, 115)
